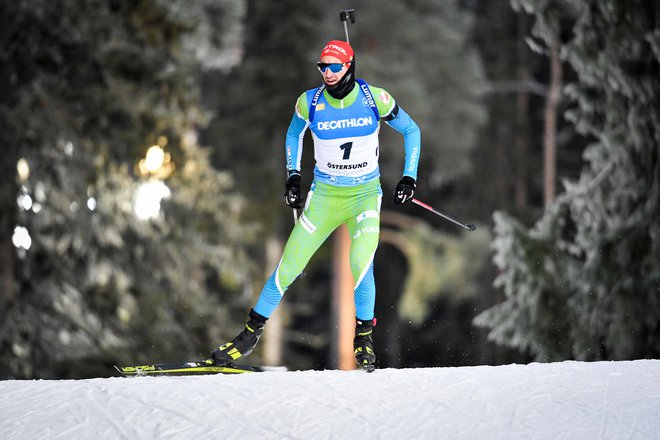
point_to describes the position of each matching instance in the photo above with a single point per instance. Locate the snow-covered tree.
(584, 282)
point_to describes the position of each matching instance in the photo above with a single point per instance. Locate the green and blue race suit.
(346, 187)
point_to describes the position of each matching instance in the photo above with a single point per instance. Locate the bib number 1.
(347, 150)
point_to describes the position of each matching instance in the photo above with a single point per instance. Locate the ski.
(186, 368)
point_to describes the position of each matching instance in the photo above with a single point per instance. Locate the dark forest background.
(540, 124)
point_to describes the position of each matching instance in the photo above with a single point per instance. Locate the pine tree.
(92, 85)
(584, 282)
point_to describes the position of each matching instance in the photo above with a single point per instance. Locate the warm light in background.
(148, 197)
(24, 201)
(23, 169)
(157, 163)
(91, 203)
(154, 159)
(21, 238)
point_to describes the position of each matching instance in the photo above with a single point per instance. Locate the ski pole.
(344, 15)
(469, 226)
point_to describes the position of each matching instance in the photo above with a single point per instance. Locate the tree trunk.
(8, 214)
(342, 298)
(274, 331)
(550, 129)
(522, 112)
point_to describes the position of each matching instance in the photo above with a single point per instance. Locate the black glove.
(405, 190)
(293, 193)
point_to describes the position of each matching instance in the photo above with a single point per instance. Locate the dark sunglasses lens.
(334, 67)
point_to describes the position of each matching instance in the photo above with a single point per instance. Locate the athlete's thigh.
(315, 224)
(364, 230)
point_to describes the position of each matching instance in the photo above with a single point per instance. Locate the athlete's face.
(329, 77)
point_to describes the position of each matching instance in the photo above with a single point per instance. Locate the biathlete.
(344, 117)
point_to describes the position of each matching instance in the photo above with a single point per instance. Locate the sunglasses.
(334, 67)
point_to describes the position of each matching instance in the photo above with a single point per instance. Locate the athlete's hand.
(293, 193)
(405, 190)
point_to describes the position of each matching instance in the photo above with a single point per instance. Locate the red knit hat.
(338, 49)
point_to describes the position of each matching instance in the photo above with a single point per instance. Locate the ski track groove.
(189, 423)
(604, 410)
(339, 406)
(101, 407)
(245, 413)
(74, 428)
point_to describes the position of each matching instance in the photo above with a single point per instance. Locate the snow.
(567, 400)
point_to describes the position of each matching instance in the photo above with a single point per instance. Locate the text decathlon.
(344, 123)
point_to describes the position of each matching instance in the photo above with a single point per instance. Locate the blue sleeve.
(294, 142)
(404, 124)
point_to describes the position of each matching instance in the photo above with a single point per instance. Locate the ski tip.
(126, 371)
(123, 370)
(138, 370)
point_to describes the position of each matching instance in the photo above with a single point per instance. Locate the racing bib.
(345, 140)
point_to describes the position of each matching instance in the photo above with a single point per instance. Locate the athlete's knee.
(289, 269)
(364, 279)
